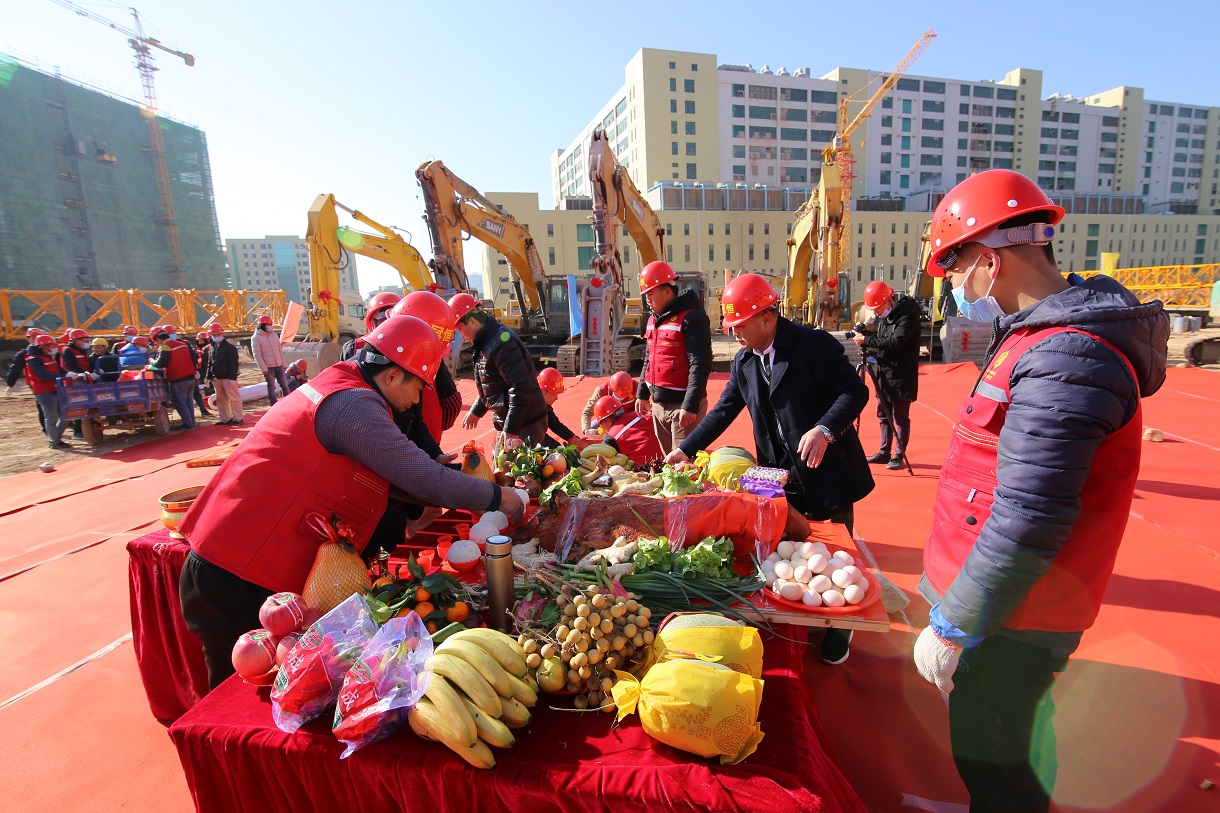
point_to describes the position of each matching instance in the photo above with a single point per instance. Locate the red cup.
(442, 545)
(463, 530)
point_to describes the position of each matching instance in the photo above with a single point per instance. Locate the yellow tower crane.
(142, 46)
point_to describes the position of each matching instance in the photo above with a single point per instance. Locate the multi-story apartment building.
(279, 262)
(727, 152)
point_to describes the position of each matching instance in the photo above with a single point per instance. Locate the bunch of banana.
(479, 692)
(589, 455)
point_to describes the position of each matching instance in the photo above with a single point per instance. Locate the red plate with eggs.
(870, 598)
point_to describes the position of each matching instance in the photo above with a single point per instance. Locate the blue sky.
(299, 98)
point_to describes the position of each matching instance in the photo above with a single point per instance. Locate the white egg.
(854, 573)
(807, 549)
(769, 566)
(841, 578)
(797, 561)
(774, 557)
(833, 598)
(783, 569)
(785, 550)
(793, 591)
(822, 549)
(820, 583)
(802, 575)
(844, 557)
(769, 579)
(863, 584)
(812, 598)
(852, 594)
(817, 563)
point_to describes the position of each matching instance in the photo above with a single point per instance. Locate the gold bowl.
(174, 505)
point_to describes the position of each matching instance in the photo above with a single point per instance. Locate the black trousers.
(218, 607)
(900, 411)
(1001, 725)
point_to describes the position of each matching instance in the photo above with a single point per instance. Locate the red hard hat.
(876, 294)
(141, 341)
(974, 207)
(166, 329)
(201, 337)
(432, 309)
(264, 320)
(44, 340)
(378, 305)
(550, 380)
(747, 295)
(622, 385)
(833, 282)
(31, 332)
(216, 329)
(130, 329)
(410, 343)
(460, 305)
(656, 273)
(607, 407)
(76, 334)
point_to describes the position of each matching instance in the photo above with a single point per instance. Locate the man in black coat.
(803, 397)
(895, 346)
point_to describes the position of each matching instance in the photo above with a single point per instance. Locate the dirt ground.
(23, 447)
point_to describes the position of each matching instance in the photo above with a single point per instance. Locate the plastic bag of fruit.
(384, 684)
(311, 674)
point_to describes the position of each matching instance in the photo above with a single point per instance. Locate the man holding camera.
(895, 347)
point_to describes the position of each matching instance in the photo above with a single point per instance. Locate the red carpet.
(1138, 707)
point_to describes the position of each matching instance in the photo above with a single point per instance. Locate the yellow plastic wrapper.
(696, 706)
(725, 465)
(712, 638)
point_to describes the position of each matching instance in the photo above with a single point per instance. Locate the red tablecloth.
(236, 759)
(169, 655)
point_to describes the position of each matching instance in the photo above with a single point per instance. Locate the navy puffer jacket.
(1068, 393)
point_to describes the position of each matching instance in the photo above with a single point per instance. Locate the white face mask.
(984, 309)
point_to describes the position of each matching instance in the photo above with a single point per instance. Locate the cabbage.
(712, 558)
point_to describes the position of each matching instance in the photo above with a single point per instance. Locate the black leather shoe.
(895, 462)
(880, 457)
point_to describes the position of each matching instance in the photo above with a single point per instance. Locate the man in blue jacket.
(1037, 484)
(803, 396)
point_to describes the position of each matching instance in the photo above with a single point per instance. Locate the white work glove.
(8, 392)
(936, 659)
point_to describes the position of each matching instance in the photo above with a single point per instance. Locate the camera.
(860, 328)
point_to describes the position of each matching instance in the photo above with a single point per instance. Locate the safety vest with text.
(667, 364)
(636, 437)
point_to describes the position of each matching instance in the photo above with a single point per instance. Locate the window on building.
(825, 116)
(762, 112)
(739, 172)
(821, 135)
(584, 232)
(904, 161)
(690, 107)
(686, 230)
(766, 228)
(762, 92)
(1008, 94)
(822, 97)
(793, 134)
(711, 252)
(906, 125)
(673, 85)
(673, 105)
(688, 85)
(673, 128)
(885, 177)
(906, 106)
(933, 87)
(793, 95)
(739, 131)
(690, 148)
(551, 256)
(930, 106)
(686, 253)
(908, 84)
(793, 114)
(766, 251)
(904, 181)
(673, 147)
(690, 128)
(750, 252)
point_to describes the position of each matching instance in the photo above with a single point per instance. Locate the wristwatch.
(830, 436)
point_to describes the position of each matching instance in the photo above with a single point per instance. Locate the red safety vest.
(82, 358)
(430, 407)
(1068, 597)
(636, 437)
(37, 385)
(181, 366)
(667, 364)
(250, 519)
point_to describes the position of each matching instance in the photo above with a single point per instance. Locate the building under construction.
(81, 205)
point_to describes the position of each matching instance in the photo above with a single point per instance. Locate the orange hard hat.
(216, 329)
(606, 407)
(622, 385)
(876, 294)
(410, 343)
(264, 320)
(972, 209)
(656, 273)
(746, 296)
(460, 305)
(550, 380)
(431, 308)
(378, 305)
(44, 340)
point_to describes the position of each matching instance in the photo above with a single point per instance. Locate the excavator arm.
(453, 207)
(325, 239)
(813, 252)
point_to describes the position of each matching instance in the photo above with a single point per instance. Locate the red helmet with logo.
(746, 296)
(264, 320)
(216, 329)
(432, 309)
(656, 273)
(410, 343)
(973, 208)
(550, 380)
(876, 294)
(44, 340)
(201, 338)
(130, 329)
(31, 332)
(163, 330)
(378, 307)
(622, 385)
(606, 407)
(460, 305)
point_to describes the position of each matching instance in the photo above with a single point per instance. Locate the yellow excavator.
(452, 209)
(613, 324)
(822, 224)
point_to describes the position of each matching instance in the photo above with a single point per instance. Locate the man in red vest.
(673, 385)
(1037, 484)
(42, 373)
(632, 432)
(331, 446)
(178, 361)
